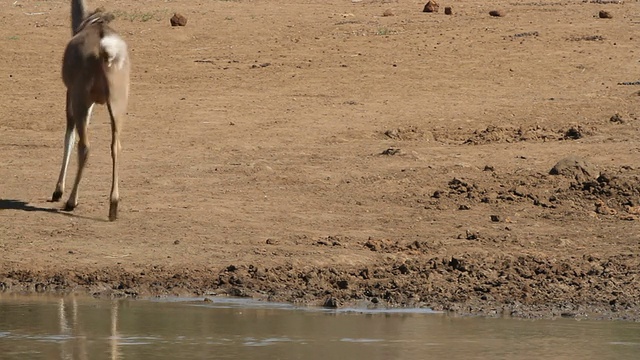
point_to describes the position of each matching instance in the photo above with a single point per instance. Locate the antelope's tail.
(114, 50)
(78, 14)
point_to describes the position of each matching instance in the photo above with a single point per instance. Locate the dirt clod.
(573, 133)
(616, 118)
(391, 151)
(603, 14)
(388, 12)
(331, 303)
(431, 7)
(178, 20)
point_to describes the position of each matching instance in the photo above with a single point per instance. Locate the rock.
(576, 167)
(496, 218)
(431, 6)
(388, 12)
(604, 14)
(448, 10)
(497, 13)
(178, 20)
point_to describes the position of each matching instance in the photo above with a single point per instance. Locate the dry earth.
(320, 152)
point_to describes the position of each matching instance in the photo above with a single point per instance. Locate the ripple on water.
(352, 340)
(265, 342)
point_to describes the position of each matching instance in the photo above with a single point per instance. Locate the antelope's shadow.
(12, 204)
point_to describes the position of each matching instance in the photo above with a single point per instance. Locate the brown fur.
(89, 79)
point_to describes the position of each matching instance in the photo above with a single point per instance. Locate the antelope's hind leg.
(69, 142)
(116, 113)
(81, 111)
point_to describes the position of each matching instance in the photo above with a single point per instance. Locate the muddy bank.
(520, 286)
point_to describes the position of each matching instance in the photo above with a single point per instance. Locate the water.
(84, 328)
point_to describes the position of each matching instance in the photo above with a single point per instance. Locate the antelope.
(95, 70)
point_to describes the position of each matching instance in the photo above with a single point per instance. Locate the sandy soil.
(321, 153)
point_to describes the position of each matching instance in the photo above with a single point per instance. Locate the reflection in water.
(80, 328)
(114, 331)
(73, 344)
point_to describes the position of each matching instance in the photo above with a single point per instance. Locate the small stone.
(178, 20)
(388, 12)
(176, 242)
(604, 15)
(448, 10)
(495, 218)
(497, 13)
(431, 6)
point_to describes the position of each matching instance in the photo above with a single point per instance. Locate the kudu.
(95, 70)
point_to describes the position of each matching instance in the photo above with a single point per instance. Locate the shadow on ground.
(11, 204)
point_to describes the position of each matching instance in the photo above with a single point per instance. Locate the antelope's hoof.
(57, 195)
(69, 206)
(113, 212)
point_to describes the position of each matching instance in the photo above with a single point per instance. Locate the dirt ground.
(319, 152)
